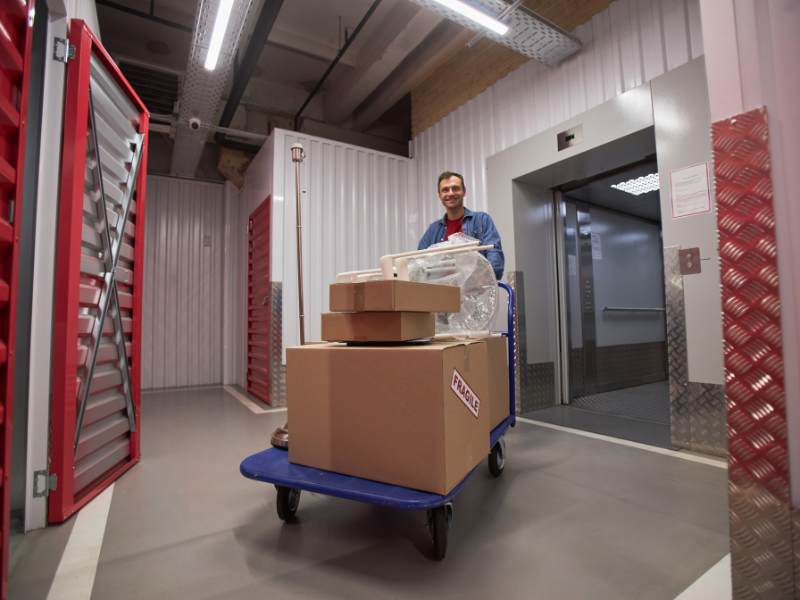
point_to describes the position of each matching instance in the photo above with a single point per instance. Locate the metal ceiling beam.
(336, 60)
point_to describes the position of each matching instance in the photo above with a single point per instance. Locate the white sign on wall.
(689, 191)
(597, 249)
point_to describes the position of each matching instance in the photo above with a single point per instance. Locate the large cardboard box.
(395, 295)
(377, 326)
(499, 407)
(413, 416)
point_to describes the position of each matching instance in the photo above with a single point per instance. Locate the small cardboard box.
(377, 326)
(499, 408)
(395, 295)
(412, 416)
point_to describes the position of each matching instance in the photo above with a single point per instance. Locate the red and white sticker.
(465, 393)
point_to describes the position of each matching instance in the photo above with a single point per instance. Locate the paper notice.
(597, 249)
(573, 264)
(688, 189)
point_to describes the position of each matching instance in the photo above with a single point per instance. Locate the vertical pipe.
(298, 154)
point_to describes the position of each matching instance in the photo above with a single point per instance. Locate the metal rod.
(335, 61)
(144, 15)
(298, 154)
(620, 309)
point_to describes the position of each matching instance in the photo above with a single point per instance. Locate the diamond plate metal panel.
(631, 361)
(529, 34)
(277, 371)
(707, 422)
(761, 523)
(676, 344)
(536, 384)
(202, 89)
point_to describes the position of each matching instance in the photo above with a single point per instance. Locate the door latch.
(62, 51)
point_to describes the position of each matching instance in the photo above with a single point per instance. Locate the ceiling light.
(218, 34)
(640, 185)
(475, 15)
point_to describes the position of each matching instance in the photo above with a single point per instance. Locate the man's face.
(451, 192)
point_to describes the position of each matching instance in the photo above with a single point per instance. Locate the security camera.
(194, 123)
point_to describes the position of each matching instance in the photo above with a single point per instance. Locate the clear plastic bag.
(474, 275)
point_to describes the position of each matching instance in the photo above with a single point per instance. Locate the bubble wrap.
(473, 274)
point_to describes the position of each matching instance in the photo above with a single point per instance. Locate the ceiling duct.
(528, 33)
(202, 89)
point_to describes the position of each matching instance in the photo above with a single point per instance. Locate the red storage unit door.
(259, 298)
(98, 308)
(16, 22)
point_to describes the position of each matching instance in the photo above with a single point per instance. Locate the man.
(458, 219)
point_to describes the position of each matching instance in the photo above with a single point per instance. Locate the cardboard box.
(412, 416)
(377, 326)
(497, 351)
(382, 296)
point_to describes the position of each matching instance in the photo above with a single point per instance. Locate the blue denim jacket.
(478, 225)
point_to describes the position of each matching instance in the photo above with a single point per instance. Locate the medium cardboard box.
(377, 326)
(381, 296)
(499, 408)
(412, 416)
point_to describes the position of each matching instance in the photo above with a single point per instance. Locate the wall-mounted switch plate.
(689, 260)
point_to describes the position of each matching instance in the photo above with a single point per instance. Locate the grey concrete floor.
(571, 517)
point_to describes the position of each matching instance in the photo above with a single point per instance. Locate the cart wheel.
(497, 459)
(439, 520)
(288, 501)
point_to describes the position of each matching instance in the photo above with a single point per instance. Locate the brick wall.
(473, 70)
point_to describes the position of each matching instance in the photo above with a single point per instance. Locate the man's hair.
(448, 175)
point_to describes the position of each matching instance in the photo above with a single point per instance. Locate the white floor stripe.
(715, 584)
(75, 575)
(249, 403)
(674, 453)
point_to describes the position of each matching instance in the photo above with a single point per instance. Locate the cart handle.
(511, 357)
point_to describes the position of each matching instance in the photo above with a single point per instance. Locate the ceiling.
(600, 193)
(364, 93)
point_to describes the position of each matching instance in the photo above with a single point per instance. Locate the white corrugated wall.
(182, 316)
(628, 44)
(234, 308)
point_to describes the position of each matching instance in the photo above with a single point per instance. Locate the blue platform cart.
(272, 466)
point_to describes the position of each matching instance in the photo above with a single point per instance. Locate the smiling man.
(458, 219)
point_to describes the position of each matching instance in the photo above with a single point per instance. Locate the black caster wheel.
(497, 459)
(439, 520)
(288, 501)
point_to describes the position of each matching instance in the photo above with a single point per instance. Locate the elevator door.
(615, 300)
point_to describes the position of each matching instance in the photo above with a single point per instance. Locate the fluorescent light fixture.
(639, 186)
(218, 34)
(475, 15)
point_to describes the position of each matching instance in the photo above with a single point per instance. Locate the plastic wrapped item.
(474, 275)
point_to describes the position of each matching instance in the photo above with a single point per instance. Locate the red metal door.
(98, 308)
(16, 23)
(259, 300)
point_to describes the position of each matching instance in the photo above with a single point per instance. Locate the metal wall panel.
(234, 329)
(625, 46)
(183, 301)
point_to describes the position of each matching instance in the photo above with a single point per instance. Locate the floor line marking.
(714, 584)
(675, 453)
(76, 572)
(249, 403)
(182, 389)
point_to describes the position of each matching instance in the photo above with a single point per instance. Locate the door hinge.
(44, 483)
(62, 51)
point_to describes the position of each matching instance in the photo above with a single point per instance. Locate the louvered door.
(16, 23)
(97, 338)
(259, 300)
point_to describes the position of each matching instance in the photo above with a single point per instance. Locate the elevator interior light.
(639, 186)
(475, 15)
(218, 33)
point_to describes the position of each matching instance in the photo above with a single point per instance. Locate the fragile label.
(465, 393)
